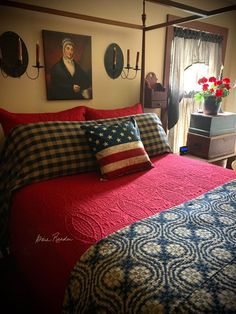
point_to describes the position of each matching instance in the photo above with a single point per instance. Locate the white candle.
(128, 56)
(37, 53)
(137, 60)
(114, 56)
(221, 71)
(20, 58)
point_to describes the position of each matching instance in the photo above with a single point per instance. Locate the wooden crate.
(155, 99)
(207, 125)
(211, 147)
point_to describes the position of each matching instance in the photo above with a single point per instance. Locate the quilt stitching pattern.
(179, 261)
(39, 151)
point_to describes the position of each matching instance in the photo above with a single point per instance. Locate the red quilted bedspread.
(54, 222)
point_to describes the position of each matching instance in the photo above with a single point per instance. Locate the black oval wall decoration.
(14, 54)
(114, 60)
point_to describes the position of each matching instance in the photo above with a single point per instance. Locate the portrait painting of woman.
(68, 67)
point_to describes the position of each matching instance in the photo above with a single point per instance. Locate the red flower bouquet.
(213, 87)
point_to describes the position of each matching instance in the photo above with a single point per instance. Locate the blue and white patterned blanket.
(179, 261)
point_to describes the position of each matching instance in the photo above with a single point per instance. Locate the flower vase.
(212, 105)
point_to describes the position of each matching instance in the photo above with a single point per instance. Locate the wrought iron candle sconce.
(14, 57)
(126, 74)
(114, 63)
(37, 64)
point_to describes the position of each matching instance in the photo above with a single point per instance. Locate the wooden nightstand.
(212, 138)
(219, 161)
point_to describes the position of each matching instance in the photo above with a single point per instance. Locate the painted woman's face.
(68, 51)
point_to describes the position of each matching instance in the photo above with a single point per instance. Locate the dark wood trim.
(200, 12)
(167, 59)
(169, 23)
(68, 14)
(142, 68)
(183, 20)
(180, 6)
(142, 85)
(222, 10)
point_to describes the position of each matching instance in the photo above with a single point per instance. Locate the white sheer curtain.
(178, 134)
(185, 52)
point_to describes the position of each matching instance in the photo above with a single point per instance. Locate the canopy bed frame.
(197, 15)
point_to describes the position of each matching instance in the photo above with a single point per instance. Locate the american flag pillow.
(117, 148)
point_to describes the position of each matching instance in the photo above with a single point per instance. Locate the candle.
(20, 58)
(128, 63)
(37, 53)
(137, 59)
(221, 71)
(114, 56)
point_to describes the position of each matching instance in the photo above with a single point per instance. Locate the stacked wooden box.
(212, 136)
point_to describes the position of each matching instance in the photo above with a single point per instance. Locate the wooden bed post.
(143, 56)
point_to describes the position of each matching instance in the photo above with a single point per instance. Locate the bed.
(156, 237)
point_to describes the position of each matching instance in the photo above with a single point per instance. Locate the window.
(191, 76)
(195, 25)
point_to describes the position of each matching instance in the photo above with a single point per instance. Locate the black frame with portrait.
(59, 81)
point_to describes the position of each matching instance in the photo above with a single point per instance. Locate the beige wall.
(24, 95)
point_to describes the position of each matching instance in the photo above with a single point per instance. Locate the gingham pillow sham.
(44, 150)
(61, 148)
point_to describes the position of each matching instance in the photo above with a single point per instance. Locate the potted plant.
(213, 90)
